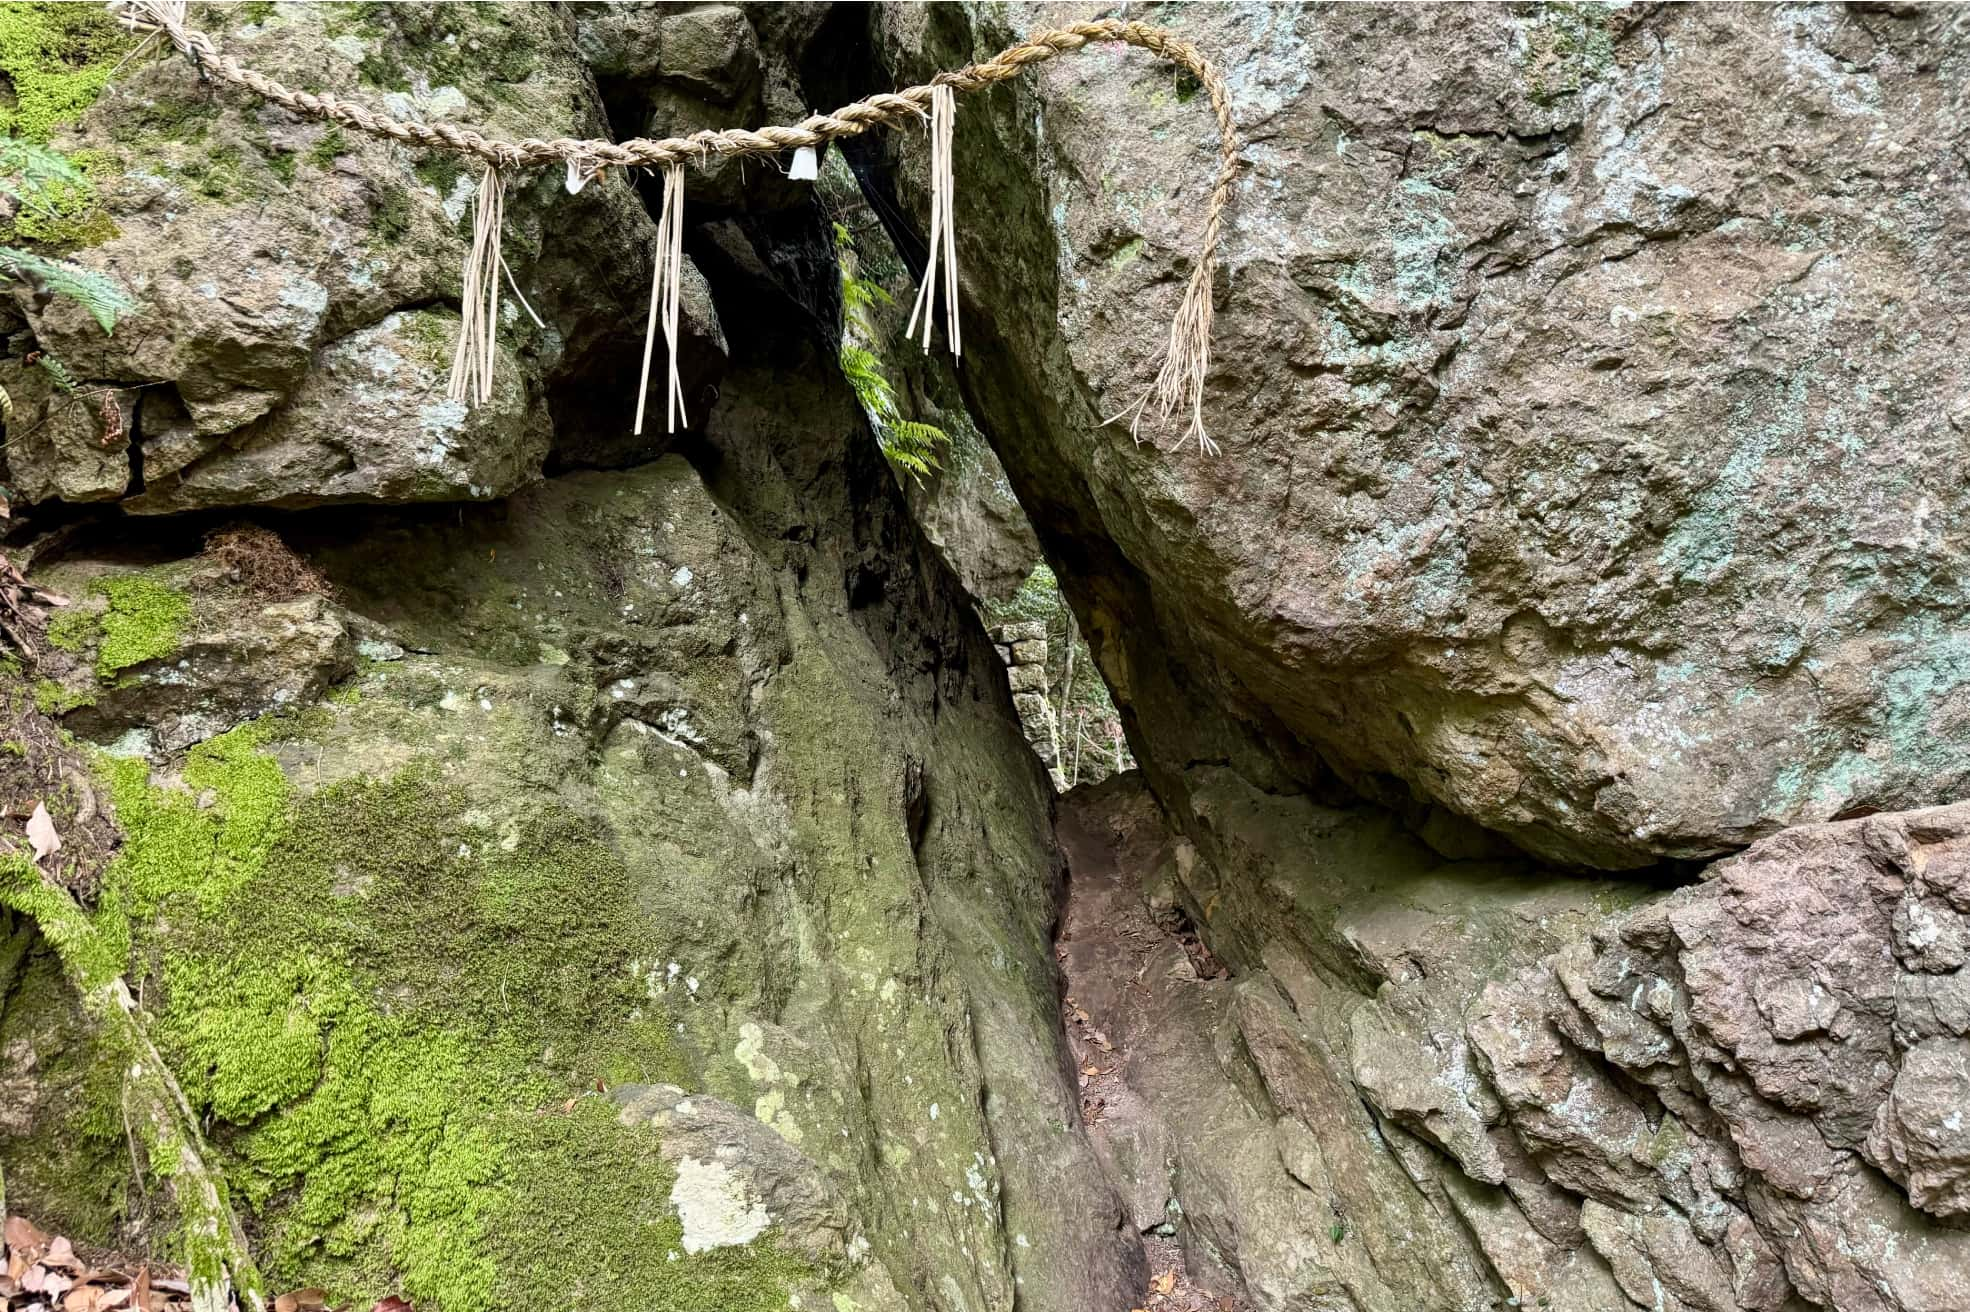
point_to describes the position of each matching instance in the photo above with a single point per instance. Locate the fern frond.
(96, 292)
(913, 446)
(872, 387)
(57, 372)
(28, 171)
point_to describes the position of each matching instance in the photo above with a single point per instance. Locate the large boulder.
(607, 794)
(1501, 1083)
(296, 284)
(1583, 376)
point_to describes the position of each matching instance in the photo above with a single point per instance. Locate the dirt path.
(1120, 955)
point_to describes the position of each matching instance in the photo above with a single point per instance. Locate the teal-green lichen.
(57, 59)
(1570, 46)
(143, 622)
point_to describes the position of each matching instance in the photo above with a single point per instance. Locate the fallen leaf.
(1090, 1070)
(22, 1237)
(83, 1298)
(140, 1291)
(1164, 1283)
(41, 833)
(60, 1252)
(302, 1300)
(114, 1298)
(391, 1304)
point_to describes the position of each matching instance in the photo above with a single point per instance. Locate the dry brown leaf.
(41, 835)
(22, 1237)
(1163, 1283)
(302, 1300)
(62, 1253)
(1090, 1070)
(114, 1298)
(391, 1304)
(83, 1298)
(140, 1291)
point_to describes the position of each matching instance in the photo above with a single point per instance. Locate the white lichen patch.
(714, 1207)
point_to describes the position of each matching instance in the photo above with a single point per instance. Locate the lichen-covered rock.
(287, 346)
(1737, 1097)
(636, 777)
(1583, 375)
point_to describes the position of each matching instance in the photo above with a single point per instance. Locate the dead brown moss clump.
(255, 557)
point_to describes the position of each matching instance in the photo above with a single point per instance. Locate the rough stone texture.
(286, 274)
(1583, 377)
(742, 693)
(370, 422)
(236, 656)
(1741, 1095)
(853, 891)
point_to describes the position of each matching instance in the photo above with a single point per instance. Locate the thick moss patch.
(57, 58)
(144, 622)
(384, 1001)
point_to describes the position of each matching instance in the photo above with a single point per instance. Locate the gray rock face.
(1583, 375)
(1745, 1096)
(288, 346)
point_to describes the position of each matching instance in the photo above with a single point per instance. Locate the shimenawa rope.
(1180, 382)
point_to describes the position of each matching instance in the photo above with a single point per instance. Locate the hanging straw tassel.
(943, 228)
(478, 310)
(666, 282)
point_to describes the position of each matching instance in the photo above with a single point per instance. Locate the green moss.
(429, 337)
(50, 698)
(328, 149)
(69, 1169)
(185, 120)
(254, 11)
(1569, 45)
(74, 630)
(467, 45)
(391, 218)
(57, 206)
(143, 622)
(221, 175)
(202, 842)
(57, 59)
(92, 947)
(372, 992)
(283, 164)
(441, 170)
(595, 1201)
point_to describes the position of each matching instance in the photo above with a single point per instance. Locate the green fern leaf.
(96, 292)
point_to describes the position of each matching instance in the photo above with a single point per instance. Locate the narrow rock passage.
(1143, 999)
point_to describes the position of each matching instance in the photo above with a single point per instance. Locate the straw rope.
(1179, 385)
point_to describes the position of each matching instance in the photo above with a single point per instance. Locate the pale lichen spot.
(714, 1207)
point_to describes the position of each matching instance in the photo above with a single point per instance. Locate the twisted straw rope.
(1181, 380)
